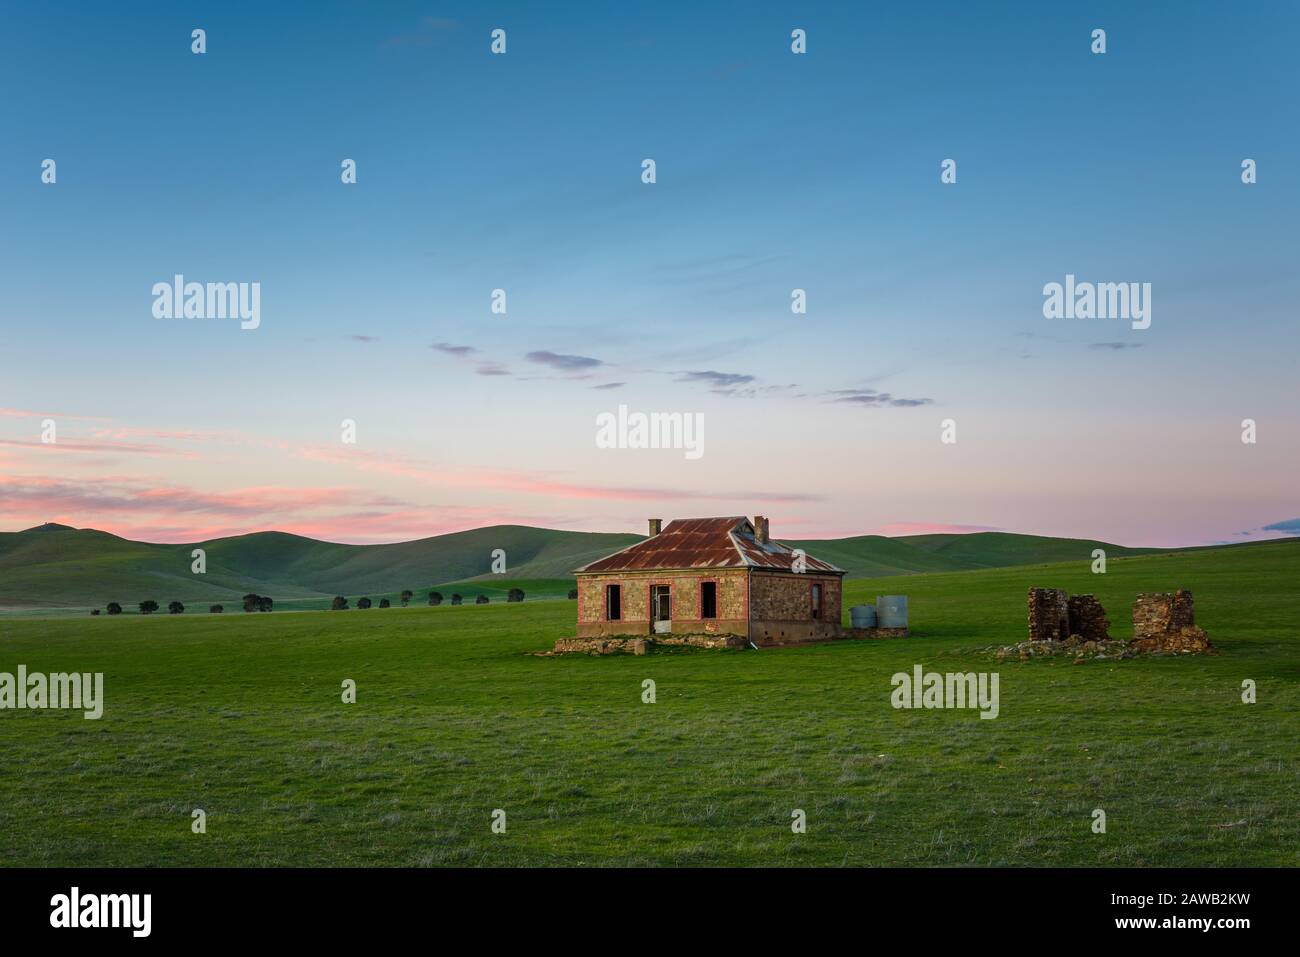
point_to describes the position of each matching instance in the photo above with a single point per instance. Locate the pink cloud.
(394, 464)
(99, 447)
(897, 529)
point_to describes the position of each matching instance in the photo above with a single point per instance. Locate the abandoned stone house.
(715, 576)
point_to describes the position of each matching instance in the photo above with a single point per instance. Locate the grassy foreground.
(241, 715)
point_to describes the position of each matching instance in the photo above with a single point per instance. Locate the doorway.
(661, 609)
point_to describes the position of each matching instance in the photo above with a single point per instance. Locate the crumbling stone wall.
(1088, 618)
(1161, 613)
(1166, 622)
(1049, 614)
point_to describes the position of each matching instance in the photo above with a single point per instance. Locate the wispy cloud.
(1290, 526)
(359, 338)
(716, 380)
(563, 363)
(873, 399)
(610, 385)
(1116, 346)
(459, 352)
(100, 447)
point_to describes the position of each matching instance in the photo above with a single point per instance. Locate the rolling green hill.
(1002, 549)
(54, 566)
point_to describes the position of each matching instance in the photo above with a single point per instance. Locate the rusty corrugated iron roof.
(706, 543)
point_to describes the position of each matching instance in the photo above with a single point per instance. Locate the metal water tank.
(863, 616)
(891, 610)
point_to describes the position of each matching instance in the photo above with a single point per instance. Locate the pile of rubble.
(1075, 646)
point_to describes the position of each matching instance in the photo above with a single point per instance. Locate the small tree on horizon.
(515, 594)
(264, 603)
(339, 603)
(573, 594)
(363, 602)
(455, 599)
(148, 607)
(175, 608)
(385, 603)
(216, 609)
(407, 595)
(94, 611)
(435, 598)
(114, 608)
(481, 599)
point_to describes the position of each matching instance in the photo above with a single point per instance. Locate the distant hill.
(61, 566)
(873, 556)
(58, 566)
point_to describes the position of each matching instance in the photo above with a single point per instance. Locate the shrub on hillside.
(256, 602)
(339, 603)
(363, 602)
(114, 608)
(573, 594)
(175, 608)
(216, 609)
(481, 600)
(407, 595)
(385, 603)
(515, 594)
(455, 599)
(148, 607)
(94, 611)
(435, 598)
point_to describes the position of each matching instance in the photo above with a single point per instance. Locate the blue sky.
(775, 171)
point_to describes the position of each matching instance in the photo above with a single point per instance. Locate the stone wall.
(1049, 614)
(639, 645)
(1165, 622)
(1161, 613)
(1088, 618)
(685, 589)
(780, 596)
(876, 633)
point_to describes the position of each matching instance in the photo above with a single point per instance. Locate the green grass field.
(241, 715)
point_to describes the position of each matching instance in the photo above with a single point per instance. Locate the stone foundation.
(634, 645)
(1186, 640)
(876, 632)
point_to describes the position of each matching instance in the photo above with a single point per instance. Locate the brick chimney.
(760, 529)
(655, 525)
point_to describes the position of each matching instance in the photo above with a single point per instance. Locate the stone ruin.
(1088, 618)
(1049, 614)
(1055, 615)
(1167, 622)
(1163, 623)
